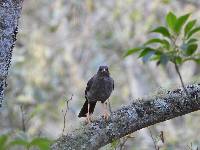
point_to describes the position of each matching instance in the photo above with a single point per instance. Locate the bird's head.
(103, 71)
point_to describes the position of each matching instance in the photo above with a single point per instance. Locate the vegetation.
(177, 44)
(20, 140)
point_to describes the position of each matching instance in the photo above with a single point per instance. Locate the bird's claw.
(106, 116)
(88, 119)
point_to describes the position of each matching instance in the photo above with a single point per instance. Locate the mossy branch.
(128, 119)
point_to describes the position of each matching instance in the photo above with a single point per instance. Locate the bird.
(99, 88)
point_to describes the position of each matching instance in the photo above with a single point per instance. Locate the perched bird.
(99, 88)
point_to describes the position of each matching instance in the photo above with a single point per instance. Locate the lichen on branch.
(130, 118)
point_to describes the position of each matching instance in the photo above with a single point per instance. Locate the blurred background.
(61, 44)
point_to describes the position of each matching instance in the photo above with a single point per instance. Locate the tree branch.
(131, 118)
(9, 14)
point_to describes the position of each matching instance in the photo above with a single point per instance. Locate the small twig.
(23, 118)
(65, 114)
(154, 142)
(124, 140)
(180, 77)
(162, 137)
(176, 66)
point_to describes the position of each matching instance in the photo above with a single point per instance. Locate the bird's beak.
(104, 70)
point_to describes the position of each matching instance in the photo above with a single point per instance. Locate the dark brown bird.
(99, 88)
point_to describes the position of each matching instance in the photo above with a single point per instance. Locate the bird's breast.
(100, 90)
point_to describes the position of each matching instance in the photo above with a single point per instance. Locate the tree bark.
(9, 14)
(131, 118)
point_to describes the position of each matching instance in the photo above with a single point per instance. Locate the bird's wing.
(89, 84)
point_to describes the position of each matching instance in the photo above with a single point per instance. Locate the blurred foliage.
(177, 44)
(21, 141)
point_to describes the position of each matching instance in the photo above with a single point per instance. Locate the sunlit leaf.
(132, 51)
(157, 40)
(155, 57)
(178, 60)
(180, 22)
(171, 20)
(145, 51)
(193, 31)
(189, 26)
(162, 30)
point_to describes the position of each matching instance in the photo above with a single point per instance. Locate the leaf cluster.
(176, 43)
(6, 142)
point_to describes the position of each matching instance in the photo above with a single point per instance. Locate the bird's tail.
(84, 109)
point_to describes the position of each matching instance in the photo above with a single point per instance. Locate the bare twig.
(23, 118)
(154, 141)
(124, 140)
(162, 137)
(65, 113)
(173, 40)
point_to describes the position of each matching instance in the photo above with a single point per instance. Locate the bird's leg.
(88, 114)
(106, 113)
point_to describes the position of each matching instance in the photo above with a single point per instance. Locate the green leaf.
(148, 56)
(178, 60)
(195, 30)
(191, 49)
(157, 40)
(192, 40)
(19, 142)
(3, 140)
(42, 143)
(162, 30)
(180, 22)
(155, 57)
(189, 26)
(132, 51)
(171, 20)
(145, 52)
(197, 60)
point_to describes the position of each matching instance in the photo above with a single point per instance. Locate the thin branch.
(128, 119)
(180, 77)
(124, 140)
(23, 118)
(162, 137)
(65, 113)
(154, 142)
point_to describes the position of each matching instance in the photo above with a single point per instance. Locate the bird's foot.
(106, 115)
(88, 118)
